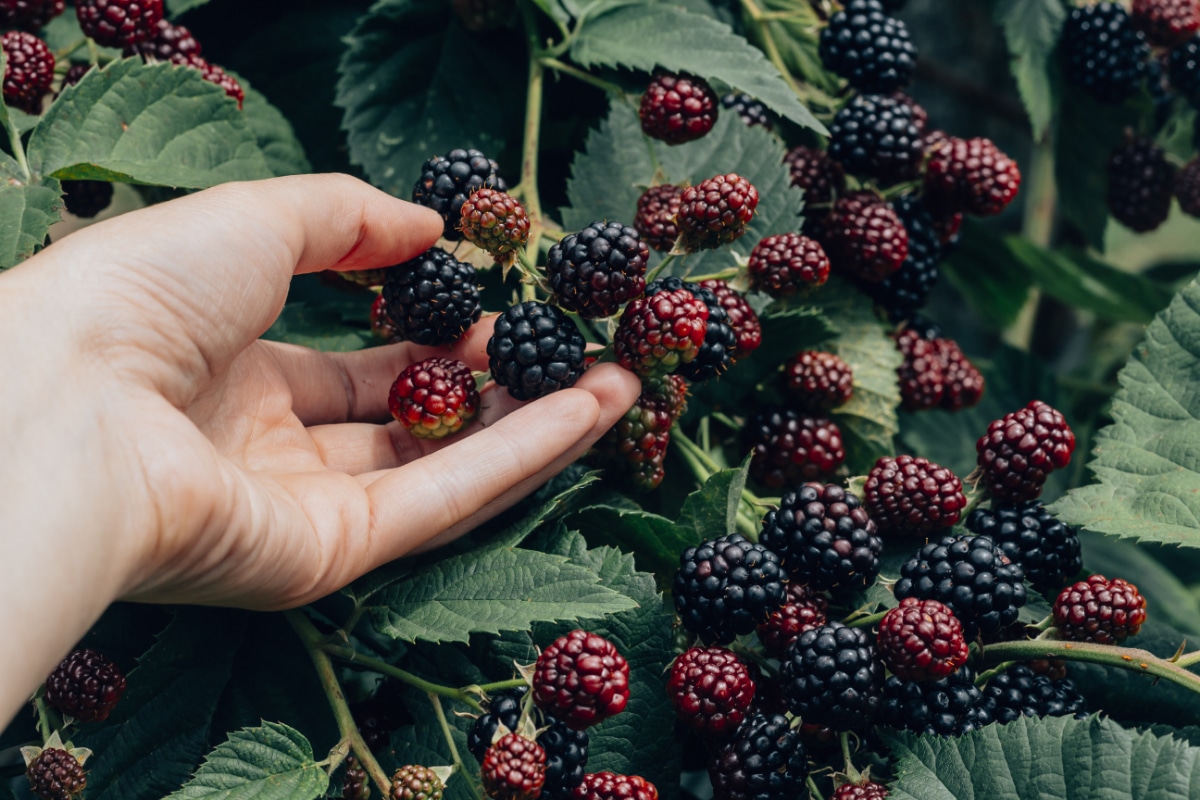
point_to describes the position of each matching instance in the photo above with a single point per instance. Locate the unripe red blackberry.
(597, 271)
(167, 42)
(55, 774)
(725, 587)
(658, 334)
(1099, 610)
(716, 212)
(876, 136)
(804, 610)
(447, 181)
(747, 329)
(817, 381)
(119, 23)
(1140, 184)
(711, 690)
(678, 108)
(74, 75)
(904, 291)
(535, 349)
(655, 218)
(611, 786)
(434, 398)
(908, 495)
(29, 15)
(1021, 449)
(921, 640)
(869, 48)
(1102, 53)
(415, 782)
(432, 299)
(355, 783)
(1187, 188)
(789, 447)
(971, 176)
(28, 70)
(922, 376)
(496, 222)
(869, 790)
(381, 323)
(816, 173)
(85, 685)
(1166, 23)
(581, 679)
(514, 768)
(962, 382)
(765, 760)
(865, 238)
(641, 437)
(787, 264)
(213, 74)
(716, 353)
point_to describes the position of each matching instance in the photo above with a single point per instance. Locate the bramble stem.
(813, 792)
(69, 50)
(312, 639)
(1132, 659)
(579, 74)
(529, 159)
(844, 741)
(1190, 660)
(352, 656)
(500, 686)
(45, 727)
(93, 52)
(458, 762)
(982, 678)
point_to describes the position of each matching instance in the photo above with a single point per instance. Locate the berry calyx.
(447, 181)
(514, 768)
(817, 381)
(716, 212)
(786, 264)
(85, 685)
(119, 23)
(611, 786)
(970, 176)
(658, 333)
(1099, 610)
(597, 271)
(496, 222)
(921, 640)
(581, 679)
(865, 238)
(432, 299)
(725, 587)
(415, 782)
(1021, 449)
(678, 108)
(535, 349)
(434, 398)
(912, 495)
(711, 690)
(655, 218)
(789, 447)
(28, 70)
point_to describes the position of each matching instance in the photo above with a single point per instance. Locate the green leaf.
(271, 762)
(648, 35)
(506, 590)
(274, 134)
(146, 123)
(1031, 28)
(1167, 599)
(1147, 461)
(994, 284)
(1053, 758)
(798, 40)
(177, 7)
(318, 328)
(654, 541)
(414, 84)
(711, 510)
(26, 214)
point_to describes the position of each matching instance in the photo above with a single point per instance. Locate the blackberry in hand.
(119, 23)
(1048, 550)
(790, 447)
(432, 299)
(868, 48)
(1102, 53)
(660, 333)
(678, 108)
(1140, 185)
(951, 706)
(726, 587)
(495, 222)
(535, 349)
(816, 173)
(447, 181)
(765, 760)
(752, 111)
(434, 398)
(597, 271)
(1019, 691)
(85, 685)
(715, 356)
(833, 676)
(1021, 449)
(875, 136)
(908, 494)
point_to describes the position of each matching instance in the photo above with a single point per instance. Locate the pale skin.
(156, 450)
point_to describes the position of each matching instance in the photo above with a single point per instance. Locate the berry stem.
(1128, 658)
(1041, 198)
(93, 52)
(813, 792)
(312, 640)
(352, 656)
(455, 757)
(863, 622)
(982, 678)
(1188, 661)
(528, 187)
(499, 686)
(576, 72)
(45, 726)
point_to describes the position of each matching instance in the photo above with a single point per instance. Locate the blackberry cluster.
(913, 495)
(716, 353)
(817, 381)
(786, 264)
(1140, 184)
(865, 238)
(833, 676)
(726, 587)
(972, 576)
(432, 299)
(951, 706)
(535, 349)
(1019, 691)
(789, 447)
(816, 173)
(447, 181)
(752, 111)
(678, 108)
(86, 199)
(597, 271)
(747, 329)
(1102, 52)
(824, 537)
(765, 760)
(868, 48)
(119, 23)
(875, 136)
(1048, 550)
(907, 289)
(655, 217)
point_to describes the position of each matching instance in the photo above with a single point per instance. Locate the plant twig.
(529, 158)
(868, 620)
(1132, 659)
(446, 732)
(351, 656)
(579, 74)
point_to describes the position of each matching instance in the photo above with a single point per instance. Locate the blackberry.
(1021, 449)
(865, 238)
(611, 786)
(119, 23)
(1099, 610)
(868, 48)
(377, 717)
(597, 271)
(415, 782)
(641, 437)
(789, 447)
(535, 349)
(354, 782)
(28, 71)
(969, 175)
(1048, 550)
(167, 42)
(581, 679)
(1183, 67)
(566, 749)
(868, 790)
(213, 74)
(495, 222)
(1019, 691)
(920, 115)
(907, 289)
(678, 108)
(764, 761)
(922, 377)
(711, 690)
(655, 218)
(1102, 53)
(503, 708)
(56, 774)
(804, 610)
(85, 685)
(875, 136)
(1166, 23)
(514, 768)
(921, 640)
(747, 329)
(432, 299)
(30, 15)
(752, 111)
(660, 333)
(972, 576)
(447, 181)
(1140, 184)
(434, 398)
(86, 199)
(833, 676)
(74, 75)
(716, 353)
(816, 173)
(817, 381)
(906, 494)
(786, 264)
(951, 706)
(962, 382)
(1187, 188)
(726, 587)
(381, 323)
(716, 212)
(824, 537)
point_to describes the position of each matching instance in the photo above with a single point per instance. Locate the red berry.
(711, 690)
(656, 334)
(818, 381)
(865, 238)
(381, 324)
(213, 74)
(415, 782)
(804, 610)
(167, 42)
(30, 15)
(790, 448)
(1099, 610)
(743, 320)
(514, 768)
(434, 398)
(716, 212)
(1166, 23)
(947, 227)
(655, 218)
(354, 783)
(1021, 449)
(860, 791)
(912, 495)
(85, 685)
(678, 108)
(55, 774)
(642, 436)
(816, 173)
(611, 786)
(581, 679)
(787, 263)
(922, 378)
(962, 382)
(971, 176)
(119, 23)
(496, 222)
(28, 71)
(921, 640)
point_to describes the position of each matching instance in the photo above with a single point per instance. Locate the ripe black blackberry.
(86, 199)
(1183, 67)
(535, 349)
(972, 576)
(1140, 184)
(824, 537)
(951, 706)
(1019, 691)
(726, 587)
(1102, 53)
(447, 181)
(597, 271)
(1048, 550)
(907, 494)
(678, 108)
(816, 173)
(655, 217)
(167, 42)
(29, 15)
(119, 23)
(28, 70)
(764, 761)
(790, 447)
(833, 676)
(720, 342)
(752, 111)
(875, 136)
(868, 48)
(907, 289)
(432, 299)
(1187, 188)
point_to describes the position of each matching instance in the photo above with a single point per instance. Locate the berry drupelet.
(581, 679)
(816, 173)
(921, 640)
(912, 495)
(496, 222)
(1140, 184)
(711, 690)
(833, 676)
(655, 219)
(447, 181)
(876, 136)
(1102, 52)
(725, 587)
(432, 299)
(765, 760)
(786, 264)
(1048, 550)
(1021, 449)
(1099, 610)
(715, 356)
(817, 381)
(659, 333)
(678, 108)
(597, 271)
(715, 212)
(789, 447)
(611, 786)
(535, 349)
(85, 685)
(868, 48)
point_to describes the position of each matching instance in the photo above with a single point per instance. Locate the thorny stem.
(583, 75)
(352, 621)
(982, 678)
(352, 656)
(458, 762)
(1128, 658)
(500, 686)
(1190, 660)
(312, 639)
